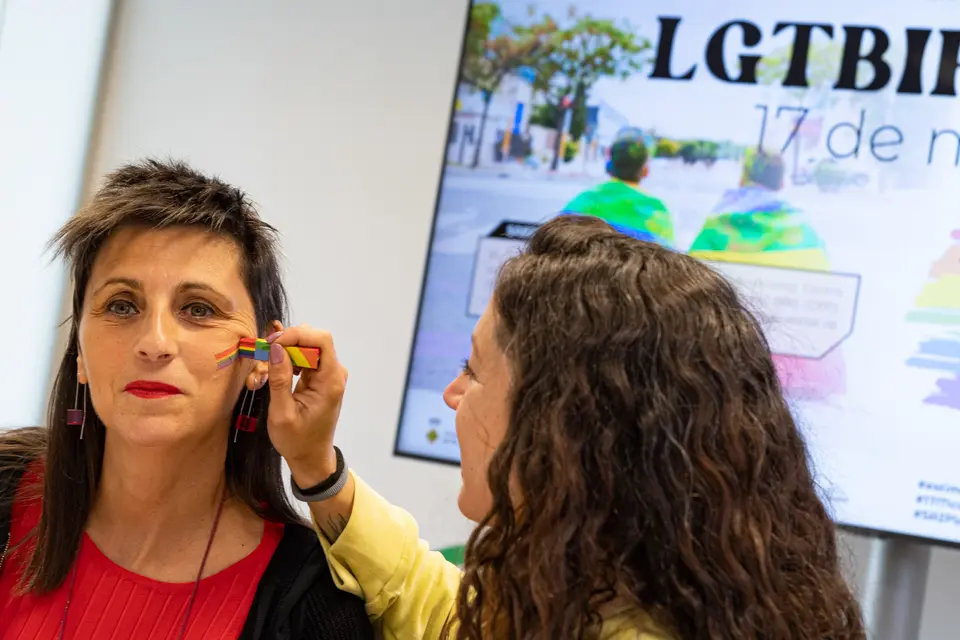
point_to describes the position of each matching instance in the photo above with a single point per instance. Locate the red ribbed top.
(111, 602)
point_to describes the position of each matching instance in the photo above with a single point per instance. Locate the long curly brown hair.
(655, 460)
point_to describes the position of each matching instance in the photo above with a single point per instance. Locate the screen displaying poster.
(813, 158)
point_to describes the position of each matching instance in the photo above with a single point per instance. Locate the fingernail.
(262, 380)
(276, 354)
(274, 336)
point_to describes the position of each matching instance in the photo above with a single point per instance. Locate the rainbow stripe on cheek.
(226, 358)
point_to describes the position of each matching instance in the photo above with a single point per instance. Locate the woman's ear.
(81, 370)
(258, 377)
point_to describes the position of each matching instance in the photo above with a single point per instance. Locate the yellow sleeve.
(409, 591)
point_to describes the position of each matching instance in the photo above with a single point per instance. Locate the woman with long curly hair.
(626, 452)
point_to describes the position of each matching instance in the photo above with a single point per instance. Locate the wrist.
(309, 471)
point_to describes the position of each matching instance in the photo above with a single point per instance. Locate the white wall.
(50, 58)
(333, 116)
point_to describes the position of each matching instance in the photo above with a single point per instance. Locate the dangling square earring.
(245, 422)
(78, 417)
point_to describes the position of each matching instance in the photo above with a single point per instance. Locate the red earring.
(78, 417)
(245, 422)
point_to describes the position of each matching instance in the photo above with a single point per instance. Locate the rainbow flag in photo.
(227, 357)
(626, 208)
(938, 308)
(754, 225)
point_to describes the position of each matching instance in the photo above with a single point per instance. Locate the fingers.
(306, 336)
(276, 328)
(283, 407)
(329, 379)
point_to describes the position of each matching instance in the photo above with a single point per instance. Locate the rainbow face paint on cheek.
(259, 349)
(226, 358)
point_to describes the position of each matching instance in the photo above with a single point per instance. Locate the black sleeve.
(325, 615)
(298, 600)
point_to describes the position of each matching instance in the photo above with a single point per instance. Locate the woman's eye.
(122, 308)
(199, 311)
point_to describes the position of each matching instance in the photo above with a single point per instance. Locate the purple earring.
(245, 422)
(78, 417)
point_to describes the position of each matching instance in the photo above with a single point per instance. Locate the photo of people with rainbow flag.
(755, 224)
(620, 201)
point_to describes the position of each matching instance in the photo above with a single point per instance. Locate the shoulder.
(21, 483)
(651, 203)
(21, 461)
(623, 623)
(19, 448)
(298, 598)
(581, 203)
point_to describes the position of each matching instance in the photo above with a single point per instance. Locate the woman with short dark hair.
(138, 511)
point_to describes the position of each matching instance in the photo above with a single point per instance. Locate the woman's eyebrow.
(189, 287)
(129, 282)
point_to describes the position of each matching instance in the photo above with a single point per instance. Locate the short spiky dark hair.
(157, 194)
(170, 194)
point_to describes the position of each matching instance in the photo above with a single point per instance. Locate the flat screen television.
(811, 155)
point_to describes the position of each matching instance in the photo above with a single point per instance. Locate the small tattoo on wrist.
(335, 525)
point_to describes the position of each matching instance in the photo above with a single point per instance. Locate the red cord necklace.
(196, 583)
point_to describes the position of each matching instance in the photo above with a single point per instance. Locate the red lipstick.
(150, 390)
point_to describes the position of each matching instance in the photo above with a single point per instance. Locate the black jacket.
(296, 598)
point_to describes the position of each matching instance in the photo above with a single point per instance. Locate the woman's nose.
(453, 393)
(157, 341)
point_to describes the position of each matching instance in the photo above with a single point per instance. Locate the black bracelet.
(329, 482)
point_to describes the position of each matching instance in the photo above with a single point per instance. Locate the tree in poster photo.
(578, 57)
(489, 56)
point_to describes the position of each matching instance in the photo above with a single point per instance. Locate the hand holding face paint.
(302, 421)
(259, 349)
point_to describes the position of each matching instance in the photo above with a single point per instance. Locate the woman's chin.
(468, 505)
(153, 432)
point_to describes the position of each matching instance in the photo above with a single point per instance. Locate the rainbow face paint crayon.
(254, 349)
(259, 349)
